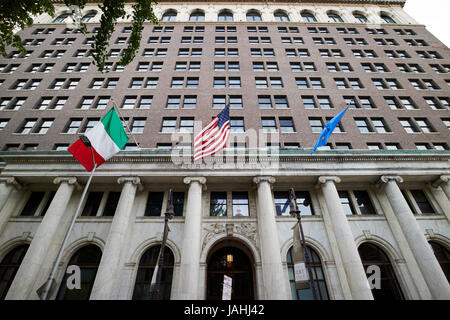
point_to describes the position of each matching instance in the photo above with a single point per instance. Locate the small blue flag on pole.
(328, 130)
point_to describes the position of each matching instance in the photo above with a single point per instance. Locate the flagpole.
(294, 209)
(126, 125)
(51, 279)
(168, 215)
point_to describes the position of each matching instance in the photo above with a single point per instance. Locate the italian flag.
(107, 138)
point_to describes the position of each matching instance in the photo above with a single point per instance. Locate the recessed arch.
(88, 16)
(387, 287)
(360, 16)
(61, 17)
(442, 253)
(197, 15)
(308, 16)
(233, 258)
(169, 15)
(9, 265)
(281, 16)
(334, 16)
(387, 17)
(87, 259)
(253, 15)
(225, 15)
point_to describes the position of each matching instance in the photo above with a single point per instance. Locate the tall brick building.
(377, 194)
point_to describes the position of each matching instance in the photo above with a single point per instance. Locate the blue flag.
(328, 130)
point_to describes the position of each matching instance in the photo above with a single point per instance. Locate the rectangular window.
(154, 204)
(240, 204)
(364, 203)
(346, 203)
(92, 204)
(218, 204)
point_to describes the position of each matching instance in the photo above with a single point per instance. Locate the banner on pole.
(300, 272)
(227, 285)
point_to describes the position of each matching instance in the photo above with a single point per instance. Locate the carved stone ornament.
(387, 178)
(133, 180)
(247, 230)
(268, 179)
(442, 179)
(189, 180)
(68, 180)
(324, 179)
(12, 181)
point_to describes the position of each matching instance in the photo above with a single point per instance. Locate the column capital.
(442, 179)
(132, 180)
(13, 181)
(324, 179)
(189, 180)
(68, 180)
(260, 179)
(387, 178)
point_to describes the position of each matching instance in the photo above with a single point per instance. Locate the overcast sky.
(434, 14)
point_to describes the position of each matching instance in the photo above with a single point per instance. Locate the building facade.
(377, 195)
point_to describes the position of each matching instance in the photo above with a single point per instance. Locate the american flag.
(214, 136)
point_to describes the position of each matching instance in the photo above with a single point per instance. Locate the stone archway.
(232, 258)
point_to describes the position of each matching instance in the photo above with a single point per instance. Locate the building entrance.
(233, 262)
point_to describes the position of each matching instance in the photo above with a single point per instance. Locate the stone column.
(428, 264)
(354, 270)
(41, 254)
(191, 245)
(444, 182)
(108, 274)
(272, 268)
(7, 185)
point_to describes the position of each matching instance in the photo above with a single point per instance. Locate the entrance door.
(234, 263)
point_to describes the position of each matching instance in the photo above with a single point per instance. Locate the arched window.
(253, 16)
(389, 289)
(197, 16)
(443, 257)
(88, 16)
(170, 15)
(281, 16)
(225, 16)
(360, 17)
(318, 277)
(387, 19)
(9, 266)
(145, 273)
(334, 17)
(87, 259)
(60, 18)
(308, 17)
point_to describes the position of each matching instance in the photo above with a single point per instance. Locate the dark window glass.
(178, 203)
(145, 273)
(92, 204)
(154, 204)
(364, 203)
(442, 255)
(422, 201)
(111, 204)
(32, 204)
(389, 287)
(303, 203)
(49, 201)
(9, 266)
(88, 259)
(218, 204)
(318, 277)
